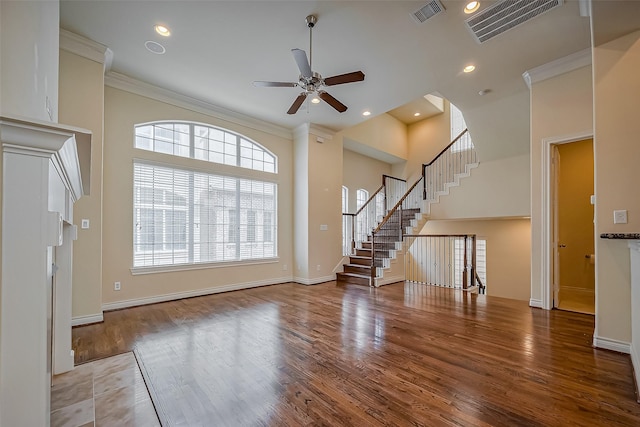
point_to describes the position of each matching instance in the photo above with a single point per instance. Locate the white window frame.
(233, 148)
(345, 199)
(254, 243)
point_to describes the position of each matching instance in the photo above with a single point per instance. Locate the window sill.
(201, 266)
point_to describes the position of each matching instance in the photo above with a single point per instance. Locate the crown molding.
(303, 131)
(138, 87)
(321, 132)
(87, 48)
(559, 66)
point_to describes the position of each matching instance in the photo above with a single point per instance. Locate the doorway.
(573, 227)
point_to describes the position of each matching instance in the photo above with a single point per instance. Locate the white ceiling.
(218, 48)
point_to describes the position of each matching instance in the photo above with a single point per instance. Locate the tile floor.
(106, 392)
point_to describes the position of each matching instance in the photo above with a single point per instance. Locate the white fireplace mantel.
(45, 169)
(634, 247)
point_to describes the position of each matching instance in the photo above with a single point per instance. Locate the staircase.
(381, 247)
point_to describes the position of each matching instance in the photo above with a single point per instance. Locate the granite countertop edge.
(627, 236)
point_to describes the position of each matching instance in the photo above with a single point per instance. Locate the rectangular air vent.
(507, 14)
(427, 11)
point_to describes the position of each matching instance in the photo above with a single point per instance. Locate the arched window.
(185, 215)
(362, 196)
(203, 142)
(457, 126)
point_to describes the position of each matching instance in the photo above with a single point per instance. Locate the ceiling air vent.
(507, 14)
(427, 11)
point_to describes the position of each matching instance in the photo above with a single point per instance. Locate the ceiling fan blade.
(274, 84)
(300, 57)
(356, 76)
(297, 103)
(332, 101)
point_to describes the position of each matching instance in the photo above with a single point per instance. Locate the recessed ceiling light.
(469, 68)
(315, 100)
(471, 7)
(366, 113)
(416, 114)
(154, 47)
(162, 30)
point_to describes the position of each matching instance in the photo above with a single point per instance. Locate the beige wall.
(616, 89)
(508, 252)
(301, 196)
(560, 107)
(82, 105)
(325, 199)
(122, 111)
(425, 140)
(496, 188)
(382, 133)
(360, 171)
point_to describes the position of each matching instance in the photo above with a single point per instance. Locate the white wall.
(29, 59)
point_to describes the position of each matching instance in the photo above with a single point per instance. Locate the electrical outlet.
(318, 267)
(284, 267)
(116, 286)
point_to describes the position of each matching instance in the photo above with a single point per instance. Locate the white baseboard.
(315, 281)
(389, 280)
(635, 361)
(195, 293)
(535, 303)
(611, 344)
(85, 320)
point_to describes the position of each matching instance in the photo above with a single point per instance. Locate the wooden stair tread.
(363, 276)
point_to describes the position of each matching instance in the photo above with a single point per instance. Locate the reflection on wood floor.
(403, 354)
(577, 299)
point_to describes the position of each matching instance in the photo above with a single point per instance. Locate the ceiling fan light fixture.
(162, 30)
(471, 7)
(312, 82)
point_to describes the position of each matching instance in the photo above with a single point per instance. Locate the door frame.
(548, 211)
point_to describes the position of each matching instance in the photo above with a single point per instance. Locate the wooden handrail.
(392, 177)
(393, 210)
(445, 149)
(479, 280)
(370, 199)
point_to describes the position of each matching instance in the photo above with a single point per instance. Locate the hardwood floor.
(402, 354)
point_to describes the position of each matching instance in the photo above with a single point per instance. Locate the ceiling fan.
(310, 81)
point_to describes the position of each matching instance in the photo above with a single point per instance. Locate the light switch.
(84, 224)
(620, 217)
(324, 227)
